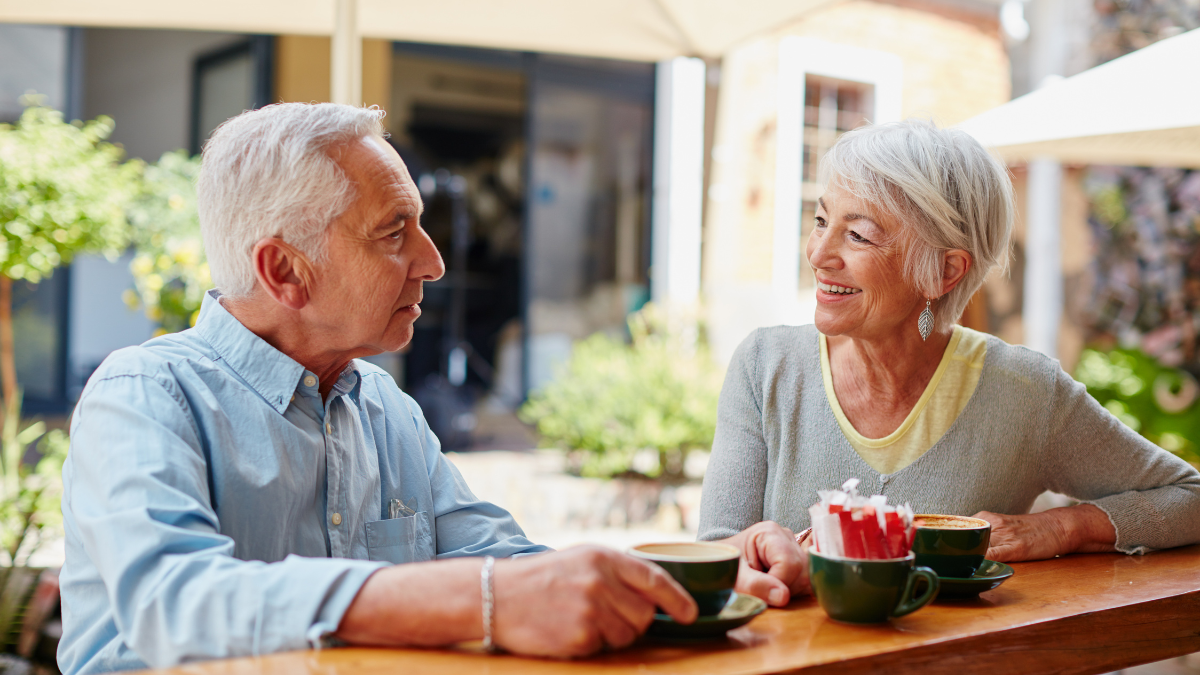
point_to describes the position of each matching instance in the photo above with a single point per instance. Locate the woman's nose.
(822, 253)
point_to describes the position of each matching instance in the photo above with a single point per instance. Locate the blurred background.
(622, 192)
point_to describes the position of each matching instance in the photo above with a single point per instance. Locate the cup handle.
(932, 585)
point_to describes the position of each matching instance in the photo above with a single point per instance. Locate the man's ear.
(955, 266)
(283, 272)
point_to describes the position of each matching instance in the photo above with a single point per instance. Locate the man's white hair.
(946, 191)
(268, 173)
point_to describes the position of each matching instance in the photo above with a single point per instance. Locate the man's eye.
(396, 234)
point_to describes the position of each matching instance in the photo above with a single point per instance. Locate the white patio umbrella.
(1142, 109)
(642, 30)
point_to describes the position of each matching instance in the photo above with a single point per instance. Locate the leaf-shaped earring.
(925, 321)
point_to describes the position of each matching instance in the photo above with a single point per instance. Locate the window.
(825, 90)
(228, 81)
(831, 108)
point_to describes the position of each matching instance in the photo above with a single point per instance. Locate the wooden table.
(1080, 614)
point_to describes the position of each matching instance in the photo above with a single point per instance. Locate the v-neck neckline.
(910, 419)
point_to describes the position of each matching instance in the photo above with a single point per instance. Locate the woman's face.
(857, 254)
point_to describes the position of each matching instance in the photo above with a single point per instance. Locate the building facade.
(783, 99)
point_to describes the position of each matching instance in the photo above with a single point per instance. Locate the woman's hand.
(1038, 536)
(772, 567)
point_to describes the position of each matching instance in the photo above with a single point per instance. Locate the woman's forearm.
(1088, 529)
(1038, 536)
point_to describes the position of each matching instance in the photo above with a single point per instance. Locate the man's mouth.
(834, 288)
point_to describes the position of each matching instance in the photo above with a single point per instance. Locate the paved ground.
(560, 510)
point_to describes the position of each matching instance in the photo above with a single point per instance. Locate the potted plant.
(30, 494)
(1160, 402)
(63, 191)
(632, 410)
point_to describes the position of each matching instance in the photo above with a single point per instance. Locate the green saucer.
(989, 575)
(740, 610)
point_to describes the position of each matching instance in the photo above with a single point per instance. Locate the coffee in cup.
(706, 570)
(869, 591)
(953, 546)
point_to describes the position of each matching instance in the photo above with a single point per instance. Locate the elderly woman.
(886, 388)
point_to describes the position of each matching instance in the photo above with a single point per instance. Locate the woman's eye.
(859, 238)
(820, 222)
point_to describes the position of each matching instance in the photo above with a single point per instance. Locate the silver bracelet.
(485, 584)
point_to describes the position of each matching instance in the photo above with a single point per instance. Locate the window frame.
(800, 57)
(261, 50)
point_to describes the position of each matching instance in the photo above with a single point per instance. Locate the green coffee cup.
(706, 570)
(952, 546)
(869, 591)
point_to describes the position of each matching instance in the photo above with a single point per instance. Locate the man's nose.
(427, 264)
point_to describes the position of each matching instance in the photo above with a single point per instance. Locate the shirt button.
(293, 399)
(336, 519)
(310, 381)
(328, 428)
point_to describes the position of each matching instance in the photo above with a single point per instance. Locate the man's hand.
(570, 603)
(580, 600)
(1038, 536)
(773, 566)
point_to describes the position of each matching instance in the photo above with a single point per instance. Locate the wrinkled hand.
(1035, 536)
(773, 566)
(578, 601)
(1082, 528)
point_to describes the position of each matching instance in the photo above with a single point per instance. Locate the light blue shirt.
(216, 506)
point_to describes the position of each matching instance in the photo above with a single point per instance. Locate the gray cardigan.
(1027, 428)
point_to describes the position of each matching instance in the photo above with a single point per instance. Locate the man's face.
(364, 298)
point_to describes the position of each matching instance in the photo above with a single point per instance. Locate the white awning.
(1142, 109)
(642, 30)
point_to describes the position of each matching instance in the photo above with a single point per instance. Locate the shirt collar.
(268, 371)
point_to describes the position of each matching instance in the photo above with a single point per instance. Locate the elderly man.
(247, 486)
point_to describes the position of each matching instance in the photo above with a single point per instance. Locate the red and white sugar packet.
(848, 525)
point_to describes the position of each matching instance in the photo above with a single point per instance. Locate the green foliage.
(169, 269)
(1158, 402)
(63, 191)
(30, 496)
(1108, 206)
(611, 402)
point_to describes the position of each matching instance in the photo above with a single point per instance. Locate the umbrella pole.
(345, 70)
(1043, 302)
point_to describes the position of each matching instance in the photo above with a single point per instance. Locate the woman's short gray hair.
(268, 173)
(946, 190)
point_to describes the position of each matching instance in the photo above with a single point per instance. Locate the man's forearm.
(419, 604)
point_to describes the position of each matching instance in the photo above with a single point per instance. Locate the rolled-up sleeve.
(1151, 496)
(137, 492)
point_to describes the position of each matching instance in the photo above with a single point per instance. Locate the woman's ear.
(283, 272)
(955, 266)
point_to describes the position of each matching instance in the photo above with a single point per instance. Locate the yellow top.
(944, 398)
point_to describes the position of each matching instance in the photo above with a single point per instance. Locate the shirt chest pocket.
(401, 540)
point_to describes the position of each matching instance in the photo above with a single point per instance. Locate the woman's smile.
(835, 292)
